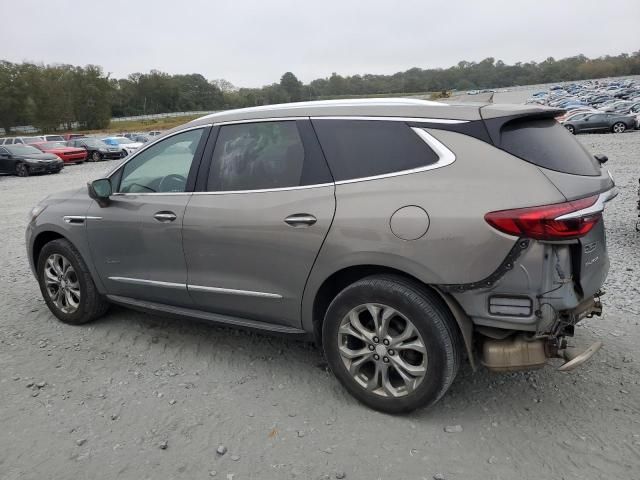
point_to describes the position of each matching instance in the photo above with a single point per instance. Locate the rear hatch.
(533, 135)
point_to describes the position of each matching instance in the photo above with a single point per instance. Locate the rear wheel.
(66, 284)
(571, 129)
(618, 127)
(96, 156)
(392, 343)
(22, 170)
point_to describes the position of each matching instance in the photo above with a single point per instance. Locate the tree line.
(51, 97)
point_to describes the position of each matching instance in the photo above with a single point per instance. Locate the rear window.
(547, 144)
(366, 148)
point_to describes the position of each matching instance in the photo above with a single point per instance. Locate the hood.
(63, 196)
(39, 156)
(133, 145)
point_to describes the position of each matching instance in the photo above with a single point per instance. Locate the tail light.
(559, 221)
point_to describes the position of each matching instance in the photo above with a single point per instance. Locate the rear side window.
(262, 156)
(547, 144)
(366, 148)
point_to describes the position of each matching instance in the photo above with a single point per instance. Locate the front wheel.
(571, 129)
(22, 170)
(96, 156)
(392, 343)
(618, 127)
(66, 284)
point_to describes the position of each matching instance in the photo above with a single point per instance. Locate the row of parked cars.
(595, 105)
(26, 155)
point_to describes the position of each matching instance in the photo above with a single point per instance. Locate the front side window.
(257, 156)
(164, 167)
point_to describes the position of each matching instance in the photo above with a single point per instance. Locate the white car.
(128, 146)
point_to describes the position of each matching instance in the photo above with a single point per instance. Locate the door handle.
(300, 220)
(165, 216)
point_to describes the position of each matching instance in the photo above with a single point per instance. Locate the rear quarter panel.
(459, 246)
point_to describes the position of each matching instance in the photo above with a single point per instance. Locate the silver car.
(400, 235)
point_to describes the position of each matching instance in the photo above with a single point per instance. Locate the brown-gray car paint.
(361, 232)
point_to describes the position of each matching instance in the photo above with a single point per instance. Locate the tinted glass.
(547, 144)
(164, 167)
(257, 156)
(23, 150)
(365, 148)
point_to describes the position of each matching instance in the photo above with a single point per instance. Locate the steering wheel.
(172, 183)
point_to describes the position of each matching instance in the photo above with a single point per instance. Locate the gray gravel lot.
(138, 396)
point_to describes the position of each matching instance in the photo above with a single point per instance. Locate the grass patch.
(144, 125)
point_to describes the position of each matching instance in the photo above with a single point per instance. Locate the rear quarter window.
(547, 144)
(366, 148)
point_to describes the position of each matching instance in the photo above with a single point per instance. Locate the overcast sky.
(253, 42)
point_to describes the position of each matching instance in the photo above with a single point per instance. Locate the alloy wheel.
(22, 170)
(96, 156)
(62, 283)
(382, 350)
(619, 127)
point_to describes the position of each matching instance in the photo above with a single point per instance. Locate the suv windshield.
(22, 149)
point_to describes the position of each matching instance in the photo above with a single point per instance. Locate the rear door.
(253, 231)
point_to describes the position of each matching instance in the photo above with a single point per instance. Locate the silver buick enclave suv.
(400, 235)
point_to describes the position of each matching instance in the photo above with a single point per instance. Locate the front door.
(252, 235)
(136, 240)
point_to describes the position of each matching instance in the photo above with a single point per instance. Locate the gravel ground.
(138, 396)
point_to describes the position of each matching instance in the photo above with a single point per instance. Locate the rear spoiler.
(497, 116)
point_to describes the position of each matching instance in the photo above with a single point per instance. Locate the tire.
(618, 127)
(96, 156)
(22, 170)
(73, 271)
(435, 333)
(571, 129)
(124, 153)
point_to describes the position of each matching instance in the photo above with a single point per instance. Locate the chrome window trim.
(597, 207)
(142, 281)
(150, 144)
(233, 291)
(446, 156)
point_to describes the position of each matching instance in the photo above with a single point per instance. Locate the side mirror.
(100, 190)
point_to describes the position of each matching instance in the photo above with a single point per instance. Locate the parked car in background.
(61, 149)
(96, 149)
(71, 136)
(23, 160)
(349, 222)
(21, 140)
(154, 133)
(53, 138)
(127, 145)
(601, 122)
(142, 138)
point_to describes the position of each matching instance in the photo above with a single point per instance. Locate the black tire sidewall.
(19, 168)
(426, 315)
(63, 247)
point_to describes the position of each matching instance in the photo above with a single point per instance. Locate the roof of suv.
(370, 107)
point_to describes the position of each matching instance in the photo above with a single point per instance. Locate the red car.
(67, 154)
